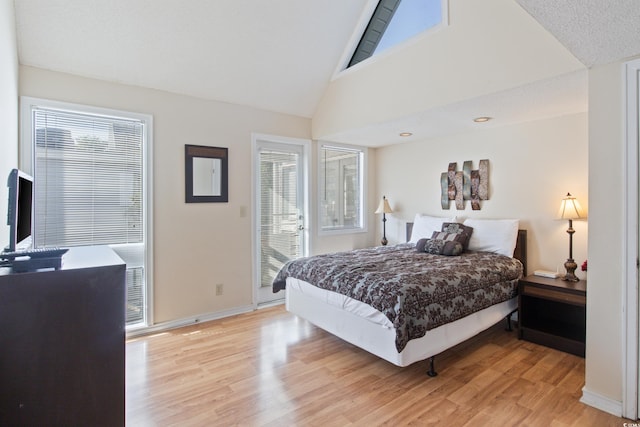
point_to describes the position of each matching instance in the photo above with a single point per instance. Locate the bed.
(370, 297)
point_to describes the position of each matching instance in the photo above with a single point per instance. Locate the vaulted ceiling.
(280, 55)
(277, 55)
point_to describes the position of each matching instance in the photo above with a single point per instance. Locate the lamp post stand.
(570, 265)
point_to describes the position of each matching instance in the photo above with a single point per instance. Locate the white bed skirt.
(367, 328)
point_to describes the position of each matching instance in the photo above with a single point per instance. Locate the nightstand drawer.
(554, 295)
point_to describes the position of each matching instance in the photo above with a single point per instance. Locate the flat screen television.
(20, 210)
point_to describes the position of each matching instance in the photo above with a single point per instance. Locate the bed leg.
(432, 372)
(508, 319)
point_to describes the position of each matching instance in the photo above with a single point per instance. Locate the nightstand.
(552, 312)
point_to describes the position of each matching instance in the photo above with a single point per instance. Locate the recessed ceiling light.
(405, 134)
(481, 119)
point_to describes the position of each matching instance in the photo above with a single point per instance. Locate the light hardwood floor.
(270, 368)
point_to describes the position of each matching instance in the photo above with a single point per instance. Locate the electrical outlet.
(219, 289)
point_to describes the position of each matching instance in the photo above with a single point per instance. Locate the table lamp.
(570, 209)
(384, 209)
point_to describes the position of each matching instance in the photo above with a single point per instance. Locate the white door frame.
(630, 342)
(305, 144)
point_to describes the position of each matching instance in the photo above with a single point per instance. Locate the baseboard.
(165, 326)
(605, 404)
(270, 303)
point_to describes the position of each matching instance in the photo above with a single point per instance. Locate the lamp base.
(570, 265)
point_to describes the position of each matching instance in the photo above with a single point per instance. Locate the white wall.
(196, 245)
(489, 46)
(531, 167)
(606, 239)
(8, 107)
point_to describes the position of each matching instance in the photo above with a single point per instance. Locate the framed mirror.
(206, 174)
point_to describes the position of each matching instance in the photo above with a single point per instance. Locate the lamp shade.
(570, 208)
(384, 207)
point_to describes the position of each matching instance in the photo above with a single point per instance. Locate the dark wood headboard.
(519, 253)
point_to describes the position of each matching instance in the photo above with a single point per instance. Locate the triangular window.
(393, 22)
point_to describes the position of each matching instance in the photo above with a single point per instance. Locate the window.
(90, 186)
(341, 189)
(394, 21)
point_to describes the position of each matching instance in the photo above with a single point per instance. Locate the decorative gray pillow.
(439, 247)
(464, 232)
(449, 237)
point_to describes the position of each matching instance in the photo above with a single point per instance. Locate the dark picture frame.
(206, 174)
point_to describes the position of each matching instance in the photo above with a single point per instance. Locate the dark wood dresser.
(62, 335)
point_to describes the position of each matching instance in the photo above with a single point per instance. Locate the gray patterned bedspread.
(417, 291)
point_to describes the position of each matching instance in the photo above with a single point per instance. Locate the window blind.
(88, 179)
(279, 213)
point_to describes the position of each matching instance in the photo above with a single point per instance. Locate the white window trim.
(363, 187)
(27, 164)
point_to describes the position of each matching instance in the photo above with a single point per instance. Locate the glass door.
(280, 214)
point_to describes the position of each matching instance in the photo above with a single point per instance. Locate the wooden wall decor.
(464, 185)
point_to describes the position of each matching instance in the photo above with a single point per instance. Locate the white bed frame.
(380, 340)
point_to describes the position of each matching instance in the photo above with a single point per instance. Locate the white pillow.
(493, 235)
(425, 225)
